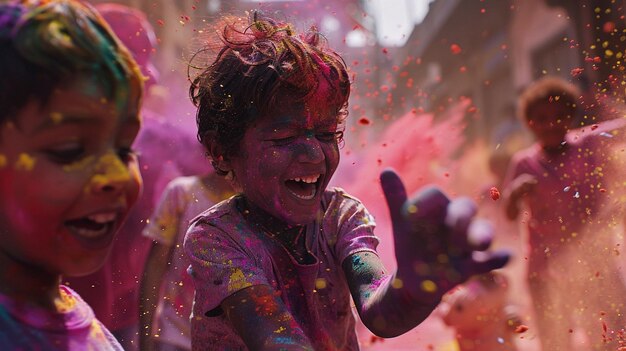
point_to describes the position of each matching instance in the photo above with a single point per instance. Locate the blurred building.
(488, 51)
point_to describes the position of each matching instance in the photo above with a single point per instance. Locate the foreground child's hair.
(260, 64)
(46, 44)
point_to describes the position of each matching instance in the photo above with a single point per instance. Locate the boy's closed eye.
(66, 153)
(326, 137)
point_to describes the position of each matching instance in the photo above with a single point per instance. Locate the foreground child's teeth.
(102, 217)
(91, 233)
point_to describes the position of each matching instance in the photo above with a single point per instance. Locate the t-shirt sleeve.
(355, 226)
(164, 223)
(220, 266)
(517, 166)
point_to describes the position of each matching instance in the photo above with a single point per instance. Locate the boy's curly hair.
(45, 44)
(262, 65)
(551, 89)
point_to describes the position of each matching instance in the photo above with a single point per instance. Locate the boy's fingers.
(480, 234)
(395, 194)
(483, 262)
(429, 207)
(460, 213)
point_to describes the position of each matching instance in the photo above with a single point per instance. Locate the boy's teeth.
(309, 180)
(102, 217)
(91, 233)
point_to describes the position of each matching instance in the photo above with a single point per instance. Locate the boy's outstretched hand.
(438, 243)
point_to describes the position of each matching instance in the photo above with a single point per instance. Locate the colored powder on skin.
(112, 170)
(25, 162)
(79, 164)
(3, 161)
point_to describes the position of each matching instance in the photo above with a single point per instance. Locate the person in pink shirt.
(166, 292)
(276, 266)
(69, 114)
(559, 183)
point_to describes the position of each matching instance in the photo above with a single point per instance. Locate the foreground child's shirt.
(228, 255)
(73, 328)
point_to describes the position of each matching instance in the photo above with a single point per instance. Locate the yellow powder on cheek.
(25, 162)
(80, 165)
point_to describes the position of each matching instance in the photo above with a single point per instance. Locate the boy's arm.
(263, 322)
(437, 244)
(384, 305)
(149, 292)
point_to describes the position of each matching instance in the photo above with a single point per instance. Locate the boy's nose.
(111, 175)
(310, 151)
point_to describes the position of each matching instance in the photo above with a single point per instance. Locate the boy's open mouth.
(93, 226)
(304, 188)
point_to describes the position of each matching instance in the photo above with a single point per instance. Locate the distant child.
(69, 113)
(572, 278)
(275, 267)
(166, 288)
(481, 315)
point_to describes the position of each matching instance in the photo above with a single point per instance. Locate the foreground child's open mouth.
(93, 226)
(304, 188)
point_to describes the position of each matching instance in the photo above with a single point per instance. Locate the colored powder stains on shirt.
(79, 165)
(25, 162)
(266, 305)
(65, 303)
(237, 280)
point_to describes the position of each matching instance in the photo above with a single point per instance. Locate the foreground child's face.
(285, 163)
(67, 180)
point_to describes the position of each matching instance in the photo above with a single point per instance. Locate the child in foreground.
(69, 103)
(274, 267)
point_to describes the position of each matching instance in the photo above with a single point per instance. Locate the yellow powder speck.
(397, 283)
(429, 286)
(320, 283)
(25, 162)
(56, 117)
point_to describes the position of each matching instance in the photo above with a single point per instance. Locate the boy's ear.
(216, 154)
